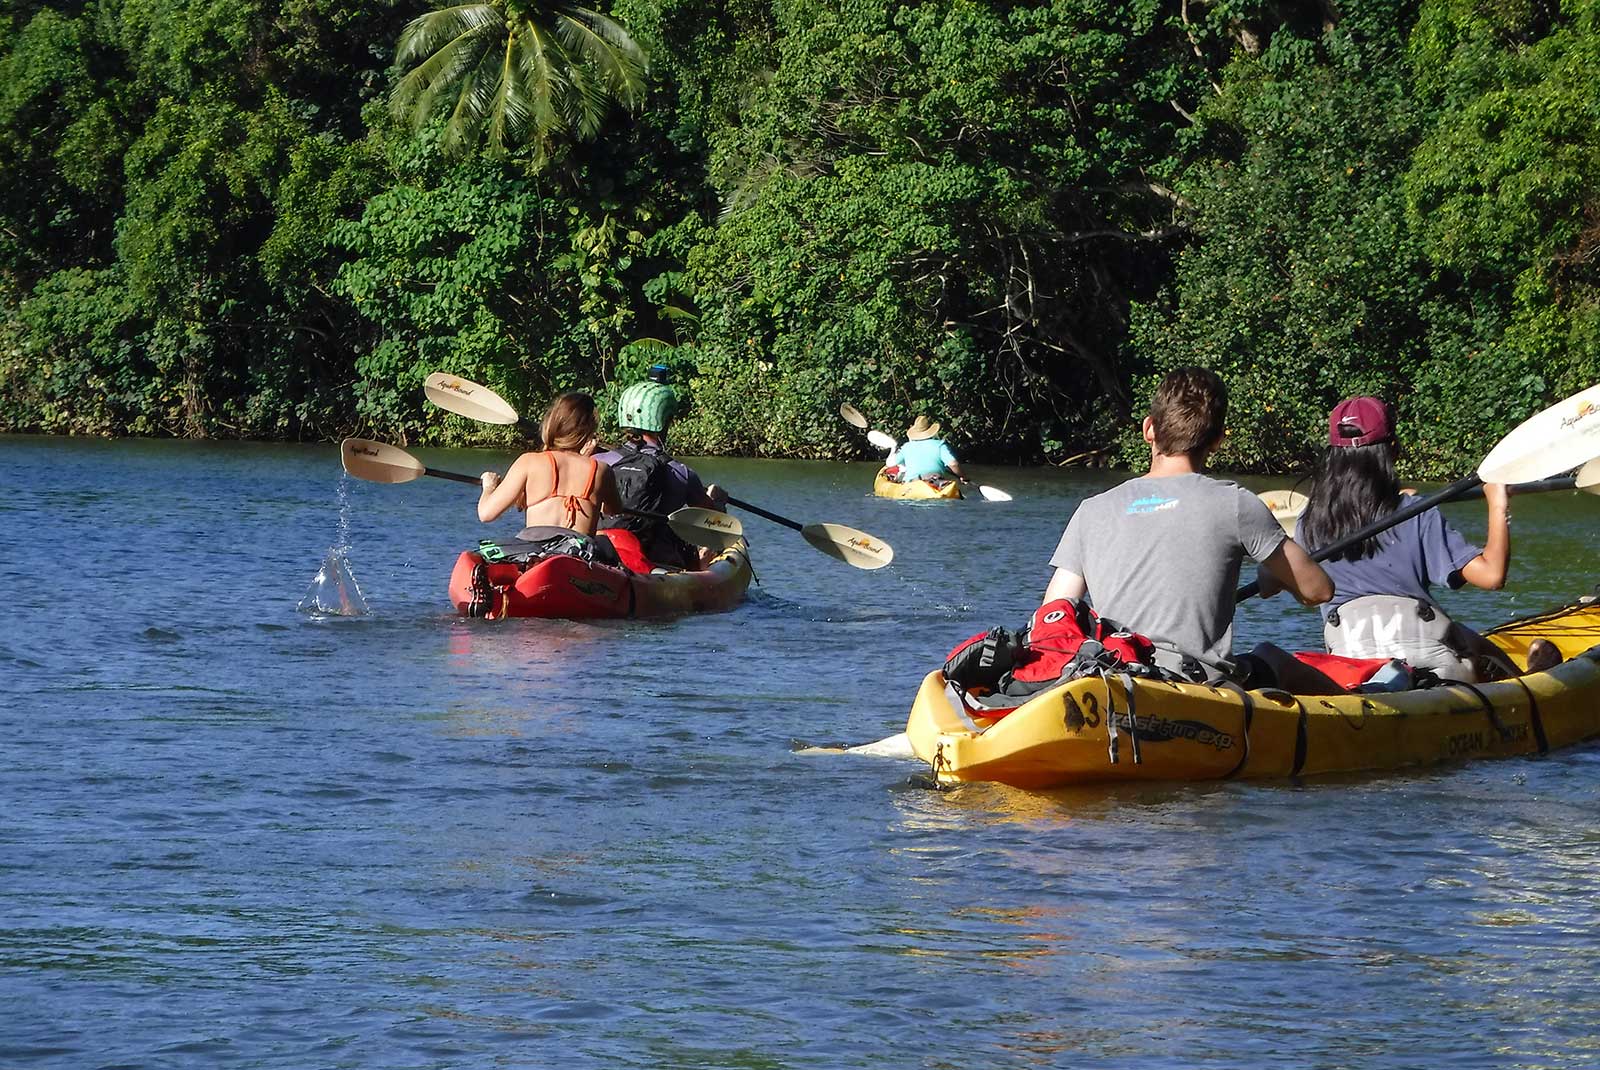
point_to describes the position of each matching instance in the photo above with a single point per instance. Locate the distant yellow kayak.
(916, 489)
(1118, 728)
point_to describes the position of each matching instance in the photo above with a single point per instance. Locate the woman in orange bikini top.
(562, 485)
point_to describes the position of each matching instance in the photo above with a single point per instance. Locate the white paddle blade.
(993, 494)
(707, 527)
(882, 441)
(895, 746)
(852, 415)
(379, 462)
(854, 548)
(1560, 438)
(466, 398)
(1286, 506)
(1588, 477)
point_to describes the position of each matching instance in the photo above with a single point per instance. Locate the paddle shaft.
(774, 517)
(1537, 486)
(459, 478)
(1464, 485)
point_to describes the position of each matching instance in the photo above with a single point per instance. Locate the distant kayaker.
(923, 455)
(650, 479)
(1384, 606)
(563, 485)
(1161, 553)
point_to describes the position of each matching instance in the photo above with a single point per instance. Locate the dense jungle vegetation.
(249, 219)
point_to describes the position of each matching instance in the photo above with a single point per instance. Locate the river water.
(235, 835)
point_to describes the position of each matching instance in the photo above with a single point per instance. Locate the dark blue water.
(231, 835)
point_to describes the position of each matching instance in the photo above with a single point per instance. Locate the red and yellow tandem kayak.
(1118, 728)
(574, 589)
(916, 489)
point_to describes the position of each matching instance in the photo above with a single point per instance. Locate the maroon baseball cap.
(1360, 422)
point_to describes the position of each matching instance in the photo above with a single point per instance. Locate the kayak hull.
(1117, 729)
(572, 589)
(916, 489)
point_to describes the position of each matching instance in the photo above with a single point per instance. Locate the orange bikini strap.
(594, 471)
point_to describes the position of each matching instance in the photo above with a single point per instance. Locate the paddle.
(379, 462)
(1564, 436)
(853, 547)
(1288, 505)
(853, 417)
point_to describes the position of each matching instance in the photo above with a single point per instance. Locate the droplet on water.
(334, 592)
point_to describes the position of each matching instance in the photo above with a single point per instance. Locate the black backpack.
(644, 482)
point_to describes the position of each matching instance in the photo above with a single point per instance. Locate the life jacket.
(628, 549)
(1361, 674)
(1064, 639)
(1414, 630)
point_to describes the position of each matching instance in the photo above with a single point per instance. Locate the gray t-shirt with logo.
(1161, 555)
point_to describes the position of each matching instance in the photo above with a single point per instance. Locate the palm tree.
(531, 69)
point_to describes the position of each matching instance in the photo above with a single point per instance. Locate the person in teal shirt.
(924, 454)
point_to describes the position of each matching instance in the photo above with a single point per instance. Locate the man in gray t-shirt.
(1161, 554)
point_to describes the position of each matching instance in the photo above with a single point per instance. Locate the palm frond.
(515, 106)
(603, 42)
(472, 103)
(588, 104)
(545, 68)
(426, 34)
(419, 91)
(539, 60)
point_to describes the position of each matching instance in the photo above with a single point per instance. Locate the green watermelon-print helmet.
(647, 406)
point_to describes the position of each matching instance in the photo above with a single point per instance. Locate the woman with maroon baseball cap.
(1382, 605)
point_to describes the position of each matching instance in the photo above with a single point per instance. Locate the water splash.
(334, 592)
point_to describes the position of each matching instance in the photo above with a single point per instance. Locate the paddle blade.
(993, 494)
(1286, 506)
(466, 398)
(379, 462)
(855, 548)
(707, 527)
(882, 441)
(852, 415)
(1588, 477)
(1561, 437)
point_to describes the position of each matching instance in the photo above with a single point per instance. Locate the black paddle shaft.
(459, 478)
(774, 517)
(1462, 486)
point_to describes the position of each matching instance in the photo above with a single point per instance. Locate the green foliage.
(486, 276)
(1011, 216)
(938, 207)
(71, 360)
(1505, 190)
(61, 140)
(1305, 283)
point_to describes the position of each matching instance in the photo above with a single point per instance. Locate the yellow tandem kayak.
(1118, 728)
(916, 489)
